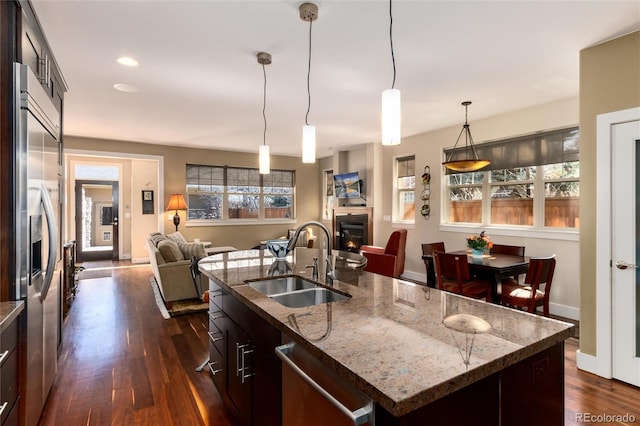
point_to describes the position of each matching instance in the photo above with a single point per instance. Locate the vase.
(477, 253)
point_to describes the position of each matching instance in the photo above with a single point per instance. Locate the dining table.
(490, 267)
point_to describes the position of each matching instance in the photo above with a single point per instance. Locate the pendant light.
(263, 152)
(308, 12)
(391, 123)
(471, 162)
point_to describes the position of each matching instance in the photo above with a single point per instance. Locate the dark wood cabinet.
(9, 390)
(530, 392)
(242, 360)
(35, 53)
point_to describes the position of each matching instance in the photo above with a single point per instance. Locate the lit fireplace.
(352, 232)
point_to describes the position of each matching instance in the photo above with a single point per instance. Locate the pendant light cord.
(393, 57)
(264, 106)
(306, 117)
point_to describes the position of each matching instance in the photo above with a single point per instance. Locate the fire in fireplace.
(352, 232)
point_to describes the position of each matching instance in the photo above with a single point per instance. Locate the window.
(327, 202)
(532, 181)
(405, 200)
(219, 193)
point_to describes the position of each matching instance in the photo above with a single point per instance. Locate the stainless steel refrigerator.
(38, 247)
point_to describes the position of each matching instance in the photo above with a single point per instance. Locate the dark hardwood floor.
(123, 364)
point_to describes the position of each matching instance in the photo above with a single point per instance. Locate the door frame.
(601, 362)
(114, 254)
(74, 156)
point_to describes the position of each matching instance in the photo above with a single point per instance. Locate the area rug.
(179, 307)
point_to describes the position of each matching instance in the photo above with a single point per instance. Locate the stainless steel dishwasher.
(313, 395)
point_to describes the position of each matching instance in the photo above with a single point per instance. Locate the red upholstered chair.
(452, 272)
(388, 260)
(530, 295)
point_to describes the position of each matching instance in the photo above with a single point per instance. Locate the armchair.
(388, 260)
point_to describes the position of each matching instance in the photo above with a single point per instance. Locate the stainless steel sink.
(281, 285)
(295, 291)
(308, 297)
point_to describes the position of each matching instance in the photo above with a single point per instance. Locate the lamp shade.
(263, 159)
(391, 117)
(308, 143)
(176, 202)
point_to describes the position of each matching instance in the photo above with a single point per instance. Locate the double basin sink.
(294, 291)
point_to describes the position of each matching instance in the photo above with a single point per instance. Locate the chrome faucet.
(314, 268)
(327, 233)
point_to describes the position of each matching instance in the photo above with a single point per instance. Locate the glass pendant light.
(390, 117)
(263, 152)
(468, 161)
(308, 12)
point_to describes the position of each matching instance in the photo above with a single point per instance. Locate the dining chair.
(427, 257)
(510, 250)
(531, 295)
(452, 272)
(505, 249)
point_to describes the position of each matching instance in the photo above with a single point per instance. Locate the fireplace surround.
(352, 228)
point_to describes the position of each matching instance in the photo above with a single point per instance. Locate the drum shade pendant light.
(309, 13)
(263, 152)
(468, 161)
(390, 117)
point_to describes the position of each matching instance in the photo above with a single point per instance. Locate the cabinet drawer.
(216, 330)
(215, 361)
(9, 384)
(12, 418)
(215, 296)
(9, 339)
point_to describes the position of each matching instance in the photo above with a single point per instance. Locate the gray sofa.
(171, 265)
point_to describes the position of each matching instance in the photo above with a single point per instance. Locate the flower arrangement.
(479, 242)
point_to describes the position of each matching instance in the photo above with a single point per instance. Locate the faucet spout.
(327, 233)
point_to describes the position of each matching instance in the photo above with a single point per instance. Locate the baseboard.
(564, 311)
(415, 276)
(140, 260)
(591, 364)
(125, 256)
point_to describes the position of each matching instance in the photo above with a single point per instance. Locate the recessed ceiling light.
(125, 88)
(129, 62)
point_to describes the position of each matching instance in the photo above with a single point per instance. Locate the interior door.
(625, 280)
(96, 220)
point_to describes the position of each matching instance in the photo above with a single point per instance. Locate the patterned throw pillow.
(156, 237)
(177, 237)
(190, 250)
(170, 251)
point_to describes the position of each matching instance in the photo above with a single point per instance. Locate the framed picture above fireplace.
(347, 185)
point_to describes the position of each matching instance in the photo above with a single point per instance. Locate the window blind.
(538, 149)
(211, 178)
(406, 166)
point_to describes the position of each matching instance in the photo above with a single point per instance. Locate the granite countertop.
(388, 339)
(9, 311)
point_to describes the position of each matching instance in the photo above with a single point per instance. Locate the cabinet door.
(239, 363)
(31, 49)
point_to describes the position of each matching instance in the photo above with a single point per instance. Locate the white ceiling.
(200, 84)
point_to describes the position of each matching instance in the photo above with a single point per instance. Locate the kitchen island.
(388, 341)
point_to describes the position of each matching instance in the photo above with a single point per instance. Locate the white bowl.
(278, 248)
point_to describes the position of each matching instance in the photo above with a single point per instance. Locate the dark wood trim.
(9, 51)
